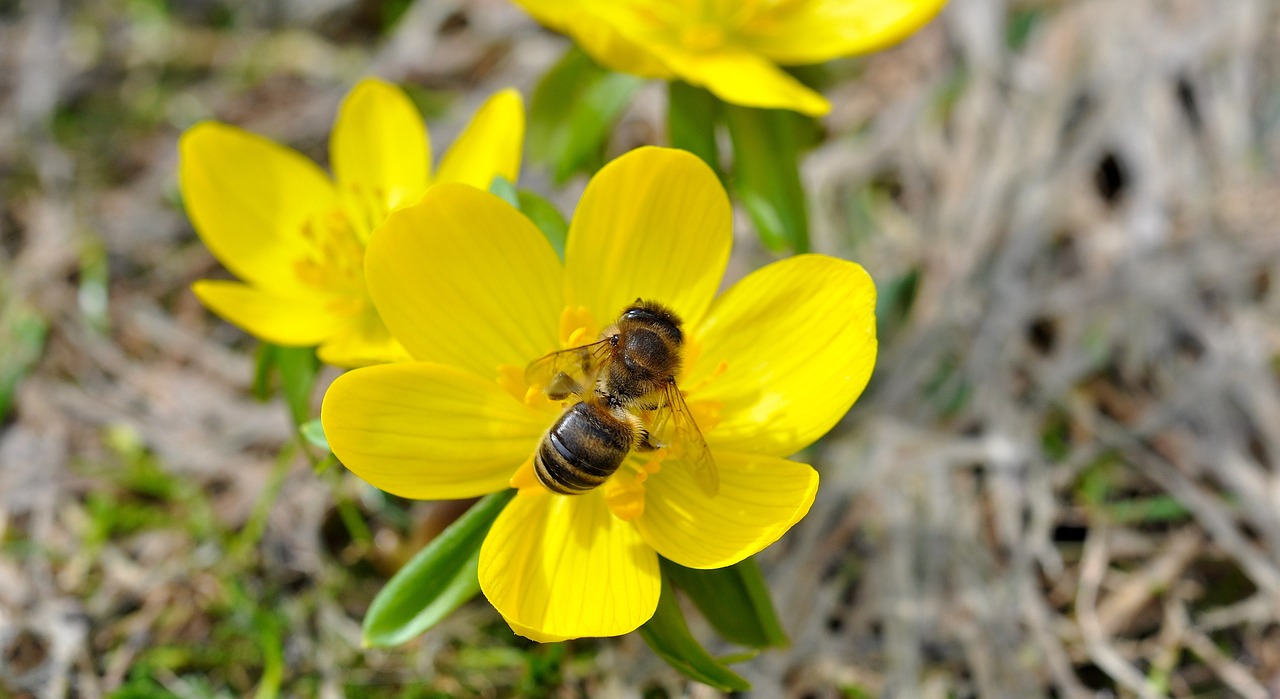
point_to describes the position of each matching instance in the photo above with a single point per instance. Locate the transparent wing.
(569, 372)
(685, 439)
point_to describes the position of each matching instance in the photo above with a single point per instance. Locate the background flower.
(296, 237)
(474, 291)
(733, 47)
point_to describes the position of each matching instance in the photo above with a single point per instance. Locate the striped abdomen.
(585, 446)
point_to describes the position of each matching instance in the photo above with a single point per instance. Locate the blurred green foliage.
(230, 617)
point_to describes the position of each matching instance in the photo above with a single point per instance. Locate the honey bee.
(629, 372)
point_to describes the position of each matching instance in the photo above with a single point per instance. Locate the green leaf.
(766, 152)
(506, 191)
(894, 302)
(669, 637)
(298, 367)
(22, 338)
(734, 599)
(439, 579)
(547, 218)
(1020, 26)
(543, 213)
(313, 432)
(692, 114)
(816, 76)
(263, 366)
(1147, 510)
(572, 111)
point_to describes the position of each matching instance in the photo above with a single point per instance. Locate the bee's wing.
(686, 440)
(570, 371)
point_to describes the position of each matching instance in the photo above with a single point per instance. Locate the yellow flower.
(733, 47)
(475, 293)
(297, 238)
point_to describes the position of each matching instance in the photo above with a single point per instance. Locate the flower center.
(512, 380)
(624, 491)
(699, 26)
(577, 327)
(366, 207)
(334, 261)
(702, 37)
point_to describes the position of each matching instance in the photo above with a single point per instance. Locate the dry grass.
(1063, 481)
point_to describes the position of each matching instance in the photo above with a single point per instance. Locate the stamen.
(576, 325)
(653, 464)
(705, 381)
(624, 491)
(511, 379)
(707, 414)
(702, 37)
(334, 261)
(525, 477)
(366, 206)
(624, 494)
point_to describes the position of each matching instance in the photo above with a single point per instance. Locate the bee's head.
(655, 316)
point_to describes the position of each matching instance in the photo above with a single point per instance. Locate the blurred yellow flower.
(733, 47)
(296, 237)
(475, 293)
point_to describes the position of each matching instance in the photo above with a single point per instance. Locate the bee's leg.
(644, 441)
(562, 386)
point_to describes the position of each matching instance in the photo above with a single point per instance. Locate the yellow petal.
(427, 431)
(249, 198)
(738, 76)
(559, 567)
(462, 278)
(816, 31)
(489, 146)
(275, 318)
(364, 341)
(592, 26)
(798, 339)
(760, 498)
(654, 224)
(379, 145)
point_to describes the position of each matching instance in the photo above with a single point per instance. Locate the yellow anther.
(692, 350)
(511, 379)
(576, 326)
(706, 413)
(705, 381)
(654, 463)
(624, 494)
(334, 259)
(702, 37)
(525, 477)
